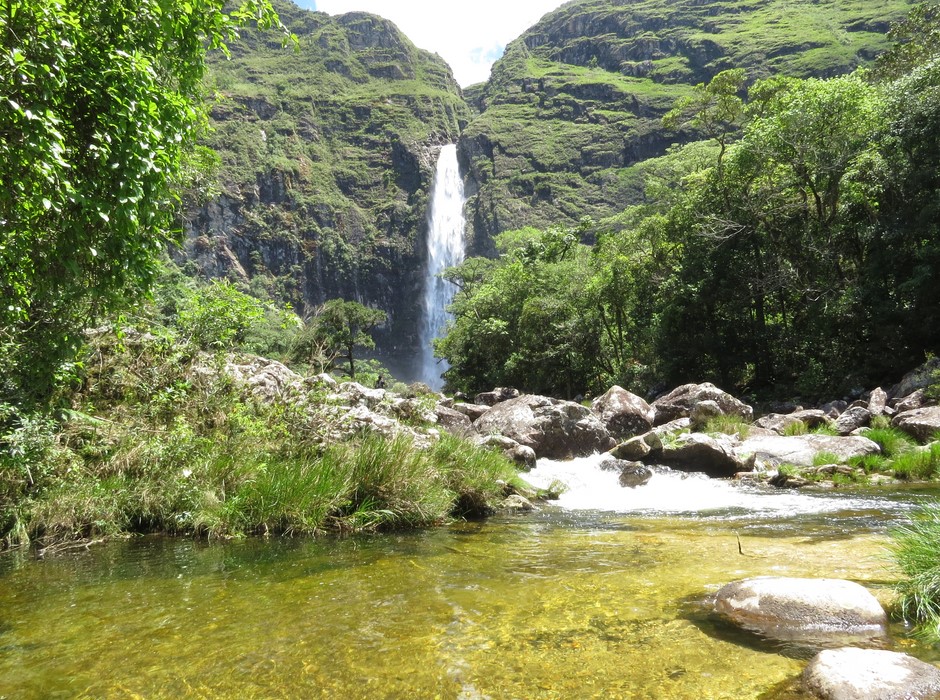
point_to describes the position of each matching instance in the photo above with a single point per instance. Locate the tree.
(100, 105)
(343, 326)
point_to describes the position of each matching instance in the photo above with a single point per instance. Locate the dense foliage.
(100, 108)
(796, 251)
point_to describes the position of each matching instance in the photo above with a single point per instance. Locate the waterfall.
(445, 249)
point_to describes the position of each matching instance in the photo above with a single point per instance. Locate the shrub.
(916, 549)
(892, 441)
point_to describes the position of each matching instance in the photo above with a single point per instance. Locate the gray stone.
(523, 455)
(851, 419)
(834, 409)
(623, 414)
(498, 395)
(452, 421)
(471, 410)
(634, 474)
(697, 452)
(870, 674)
(702, 412)
(679, 402)
(674, 426)
(877, 401)
(800, 450)
(921, 423)
(356, 393)
(554, 429)
(517, 503)
(778, 423)
(801, 608)
(636, 448)
(916, 399)
(917, 379)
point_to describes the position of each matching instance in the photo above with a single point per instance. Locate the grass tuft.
(916, 549)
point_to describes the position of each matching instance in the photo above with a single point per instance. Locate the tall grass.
(892, 441)
(918, 464)
(188, 452)
(728, 425)
(916, 549)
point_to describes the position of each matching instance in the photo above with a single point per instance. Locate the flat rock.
(921, 423)
(800, 450)
(470, 410)
(870, 674)
(797, 608)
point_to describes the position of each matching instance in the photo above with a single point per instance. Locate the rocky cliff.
(326, 158)
(576, 101)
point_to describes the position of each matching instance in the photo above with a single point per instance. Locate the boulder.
(778, 423)
(697, 452)
(553, 428)
(623, 414)
(522, 455)
(453, 421)
(354, 394)
(917, 399)
(679, 402)
(920, 423)
(877, 401)
(498, 395)
(636, 448)
(702, 412)
(916, 379)
(787, 608)
(471, 410)
(863, 674)
(632, 474)
(834, 409)
(518, 504)
(800, 450)
(673, 426)
(266, 380)
(852, 419)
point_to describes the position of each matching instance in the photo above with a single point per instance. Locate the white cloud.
(470, 36)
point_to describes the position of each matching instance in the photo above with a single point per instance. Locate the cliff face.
(327, 154)
(577, 99)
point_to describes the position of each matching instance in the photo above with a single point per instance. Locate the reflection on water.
(564, 603)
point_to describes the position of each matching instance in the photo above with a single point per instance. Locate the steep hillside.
(327, 153)
(577, 100)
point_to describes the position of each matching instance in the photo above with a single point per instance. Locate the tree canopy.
(100, 106)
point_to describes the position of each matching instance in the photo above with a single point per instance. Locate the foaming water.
(670, 492)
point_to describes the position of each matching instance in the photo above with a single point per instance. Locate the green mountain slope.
(327, 153)
(577, 100)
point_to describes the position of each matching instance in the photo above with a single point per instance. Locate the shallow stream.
(602, 598)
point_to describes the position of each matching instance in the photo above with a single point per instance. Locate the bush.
(919, 464)
(916, 549)
(892, 441)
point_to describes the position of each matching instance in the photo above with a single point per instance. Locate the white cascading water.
(673, 492)
(445, 249)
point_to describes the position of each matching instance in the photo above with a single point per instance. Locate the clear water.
(446, 249)
(562, 603)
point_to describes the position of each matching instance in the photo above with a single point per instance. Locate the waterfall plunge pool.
(600, 601)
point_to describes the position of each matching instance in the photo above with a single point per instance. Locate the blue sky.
(470, 36)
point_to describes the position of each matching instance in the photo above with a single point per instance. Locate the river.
(581, 599)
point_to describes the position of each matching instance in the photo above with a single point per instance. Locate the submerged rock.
(801, 608)
(869, 674)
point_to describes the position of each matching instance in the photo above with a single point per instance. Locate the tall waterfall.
(445, 249)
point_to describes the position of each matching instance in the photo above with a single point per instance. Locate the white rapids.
(675, 492)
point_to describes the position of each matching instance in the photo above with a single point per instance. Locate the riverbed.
(582, 599)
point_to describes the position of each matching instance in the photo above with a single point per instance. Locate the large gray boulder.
(916, 379)
(679, 402)
(799, 608)
(637, 448)
(470, 410)
(870, 674)
(453, 421)
(921, 423)
(553, 428)
(800, 450)
(878, 401)
(499, 394)
(697, 452)
(623, 414)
